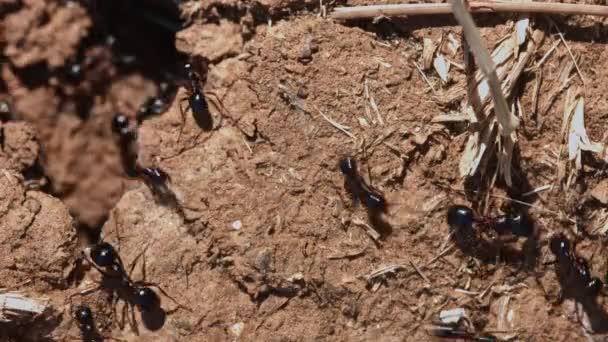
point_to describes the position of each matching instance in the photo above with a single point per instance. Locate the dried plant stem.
(358, 12)
(507, 120)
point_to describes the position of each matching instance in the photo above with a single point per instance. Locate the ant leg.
(220, 106)
(133, 322)
(116, 230)
(134, 262)
(183, 116)
(121, 322)
(85, 292)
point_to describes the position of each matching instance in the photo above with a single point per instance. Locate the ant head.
(146, 299)
(120, 123)
(84, 315)
(460, 216)
(103, 254)
(559, 245)
(348, 166)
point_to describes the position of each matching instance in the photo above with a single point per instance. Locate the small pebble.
(236, 225)
(237, 328)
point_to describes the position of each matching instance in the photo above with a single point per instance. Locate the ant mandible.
(463, 217)
(572, 270)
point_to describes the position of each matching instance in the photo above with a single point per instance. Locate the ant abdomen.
(516, 224)
(146, 299)
(375, 202)
(84, 316)
(103, 254)
(198, 104)
(460, 216)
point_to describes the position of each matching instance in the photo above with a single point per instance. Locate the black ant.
(454, 331)
(127, 141)
(104, 258)
(358, 188)
(157, 181)
(195, 98)
(573, 271)
(156, 105)
(86, 324)
(84, 317)
(518, 224)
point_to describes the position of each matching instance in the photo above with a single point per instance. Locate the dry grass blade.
(14, 305)
(368, 229)
(343, 128)
(358, 12)
(506, 119)
(382, 271)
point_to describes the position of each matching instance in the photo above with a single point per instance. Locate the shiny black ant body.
(195, 98)
(453, 331)
(156, 105)
(518, 224)
(155, 178)
(573, 271)
(127, 141)
(358, 188)
(104, 258)
(86, 324)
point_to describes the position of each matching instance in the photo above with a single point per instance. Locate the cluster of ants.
(103, 256)
(572, 271)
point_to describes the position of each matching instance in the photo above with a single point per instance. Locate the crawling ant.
(156, 105)
(195, 98)
(84, 317)
(86, 324)
(572, 270)
(157, 181)
(155, 178)
(518, 224)
(358, 188)
(137, 294)
(453, 331)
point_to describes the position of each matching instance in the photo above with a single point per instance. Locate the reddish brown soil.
(293, 270)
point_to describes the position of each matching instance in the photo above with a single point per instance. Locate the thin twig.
(507, 120)
(425, 78)
(342, 128)
(561, 36)
(422, 275)
(358, 12)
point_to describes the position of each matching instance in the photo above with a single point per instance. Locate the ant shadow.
(597, 315)
(379, 223)
(154, 319)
